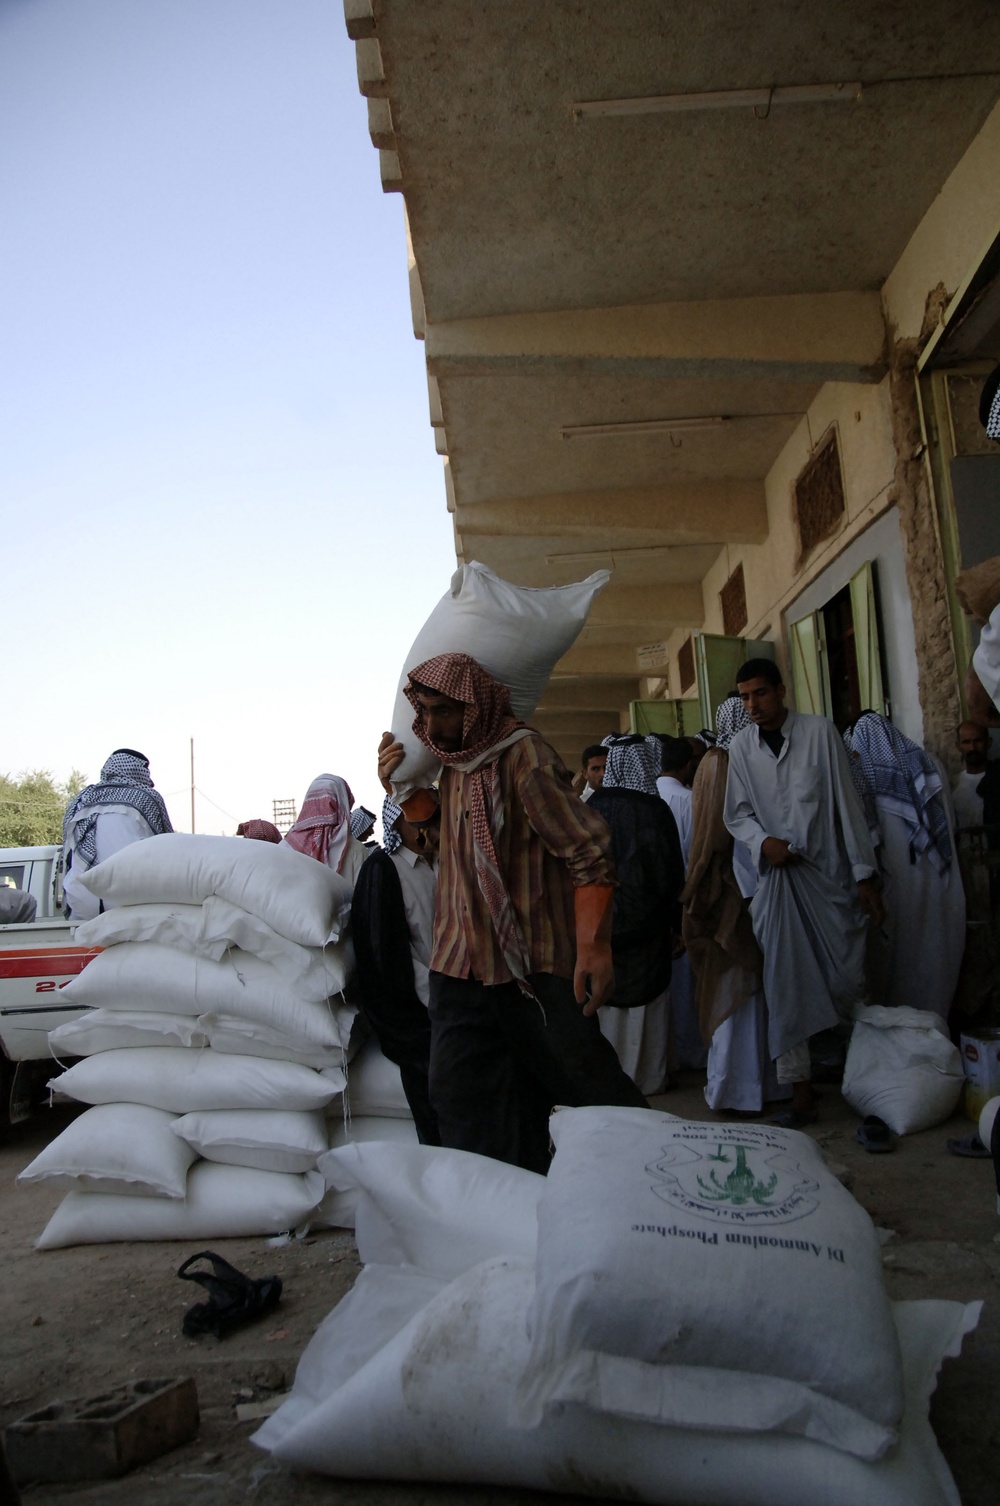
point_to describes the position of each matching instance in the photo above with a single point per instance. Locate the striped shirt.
(551, 843)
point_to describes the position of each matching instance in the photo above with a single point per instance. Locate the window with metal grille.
(685, 663)
(733, 597)
(819, 497)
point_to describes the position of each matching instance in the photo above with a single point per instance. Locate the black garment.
(650, 867)
(500, 1062)
(388, 998)
(988, 789)
(773, 739)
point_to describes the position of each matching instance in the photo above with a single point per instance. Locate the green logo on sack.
(737, 1183)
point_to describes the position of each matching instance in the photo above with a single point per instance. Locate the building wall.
(890, 513)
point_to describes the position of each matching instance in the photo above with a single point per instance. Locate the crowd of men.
(724, 902)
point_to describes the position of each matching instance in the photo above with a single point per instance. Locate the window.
(819, 497)
(685, 664)
(733, 597)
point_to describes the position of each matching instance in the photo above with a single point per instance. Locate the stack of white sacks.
(216, 1042)
(679, 1312)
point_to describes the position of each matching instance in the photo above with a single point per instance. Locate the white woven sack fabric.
(296, 896)
(167, 1077)
(374, 1085)
(443, 1211)
(665, 1242)
(268, 1139)
(217, 930)
(117, 1029)
(361, 1129)
(222, 1202)
(122, 1148)
(433, 1400)
(517, 633)
(903, 1068)
(232, 1036)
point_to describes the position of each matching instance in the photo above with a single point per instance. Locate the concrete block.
(101, 1437)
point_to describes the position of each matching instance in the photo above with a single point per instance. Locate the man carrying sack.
(525, 870)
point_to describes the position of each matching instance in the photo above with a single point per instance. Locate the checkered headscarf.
(391, 813)
(125, 780)
(488, 726)
(731, 717)
(894, 770)
(323, 827)
(633, 763)
(362, 822)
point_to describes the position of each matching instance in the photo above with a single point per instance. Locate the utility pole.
(192, 784)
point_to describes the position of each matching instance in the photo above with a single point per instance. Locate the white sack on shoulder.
(117, 1029)
(183, 1081)
(667, 1242)
(122, 1148)
(268, 1139)
(440, 1210)
(434, 1404)
(903, 1068)
(222, 1202)
(298, 897)
(517, 633)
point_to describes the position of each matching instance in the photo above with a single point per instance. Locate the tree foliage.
(32, 806)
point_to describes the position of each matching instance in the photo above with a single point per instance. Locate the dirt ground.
(81, 1320)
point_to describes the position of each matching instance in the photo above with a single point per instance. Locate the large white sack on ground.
(297, 896)
(232, 1036)
(435, 1402)
(168, 1077)
(268, 1139)
(122, 1148)
(117, 1029)
(146, 974)
(440, 1210)
(903, 1068)
(222, 1202)
(338, 1210)
(666, 1242)
(517, 633)
(215, 931)
(374, 1085)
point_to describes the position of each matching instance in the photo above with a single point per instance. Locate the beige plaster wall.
(959, 226)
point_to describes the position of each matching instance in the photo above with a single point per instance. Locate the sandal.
(969, 1145)
(233, 1299)
(874, 1134)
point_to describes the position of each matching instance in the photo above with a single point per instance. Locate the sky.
(223, 517)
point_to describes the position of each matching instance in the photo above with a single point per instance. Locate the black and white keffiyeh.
(730, 717)
(391, 813)
(362, 822)
(894, 770)
(633, 763)
(125, 780)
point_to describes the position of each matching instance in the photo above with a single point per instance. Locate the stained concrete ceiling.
(571, 271)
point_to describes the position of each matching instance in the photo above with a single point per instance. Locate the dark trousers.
(501, 1061)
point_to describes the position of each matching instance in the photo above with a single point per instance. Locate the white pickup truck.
(37, 958)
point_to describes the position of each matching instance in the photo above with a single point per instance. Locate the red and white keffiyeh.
(323, 828)
(489, 727)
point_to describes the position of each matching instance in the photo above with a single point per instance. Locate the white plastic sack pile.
(122, 1148)
(902, 1067)
(517, 633)
(371, 1108)
(218, 998)
(666, 1244)
(413, 1375)
(299, 898)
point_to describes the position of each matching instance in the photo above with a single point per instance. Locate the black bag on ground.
(233, 1299)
